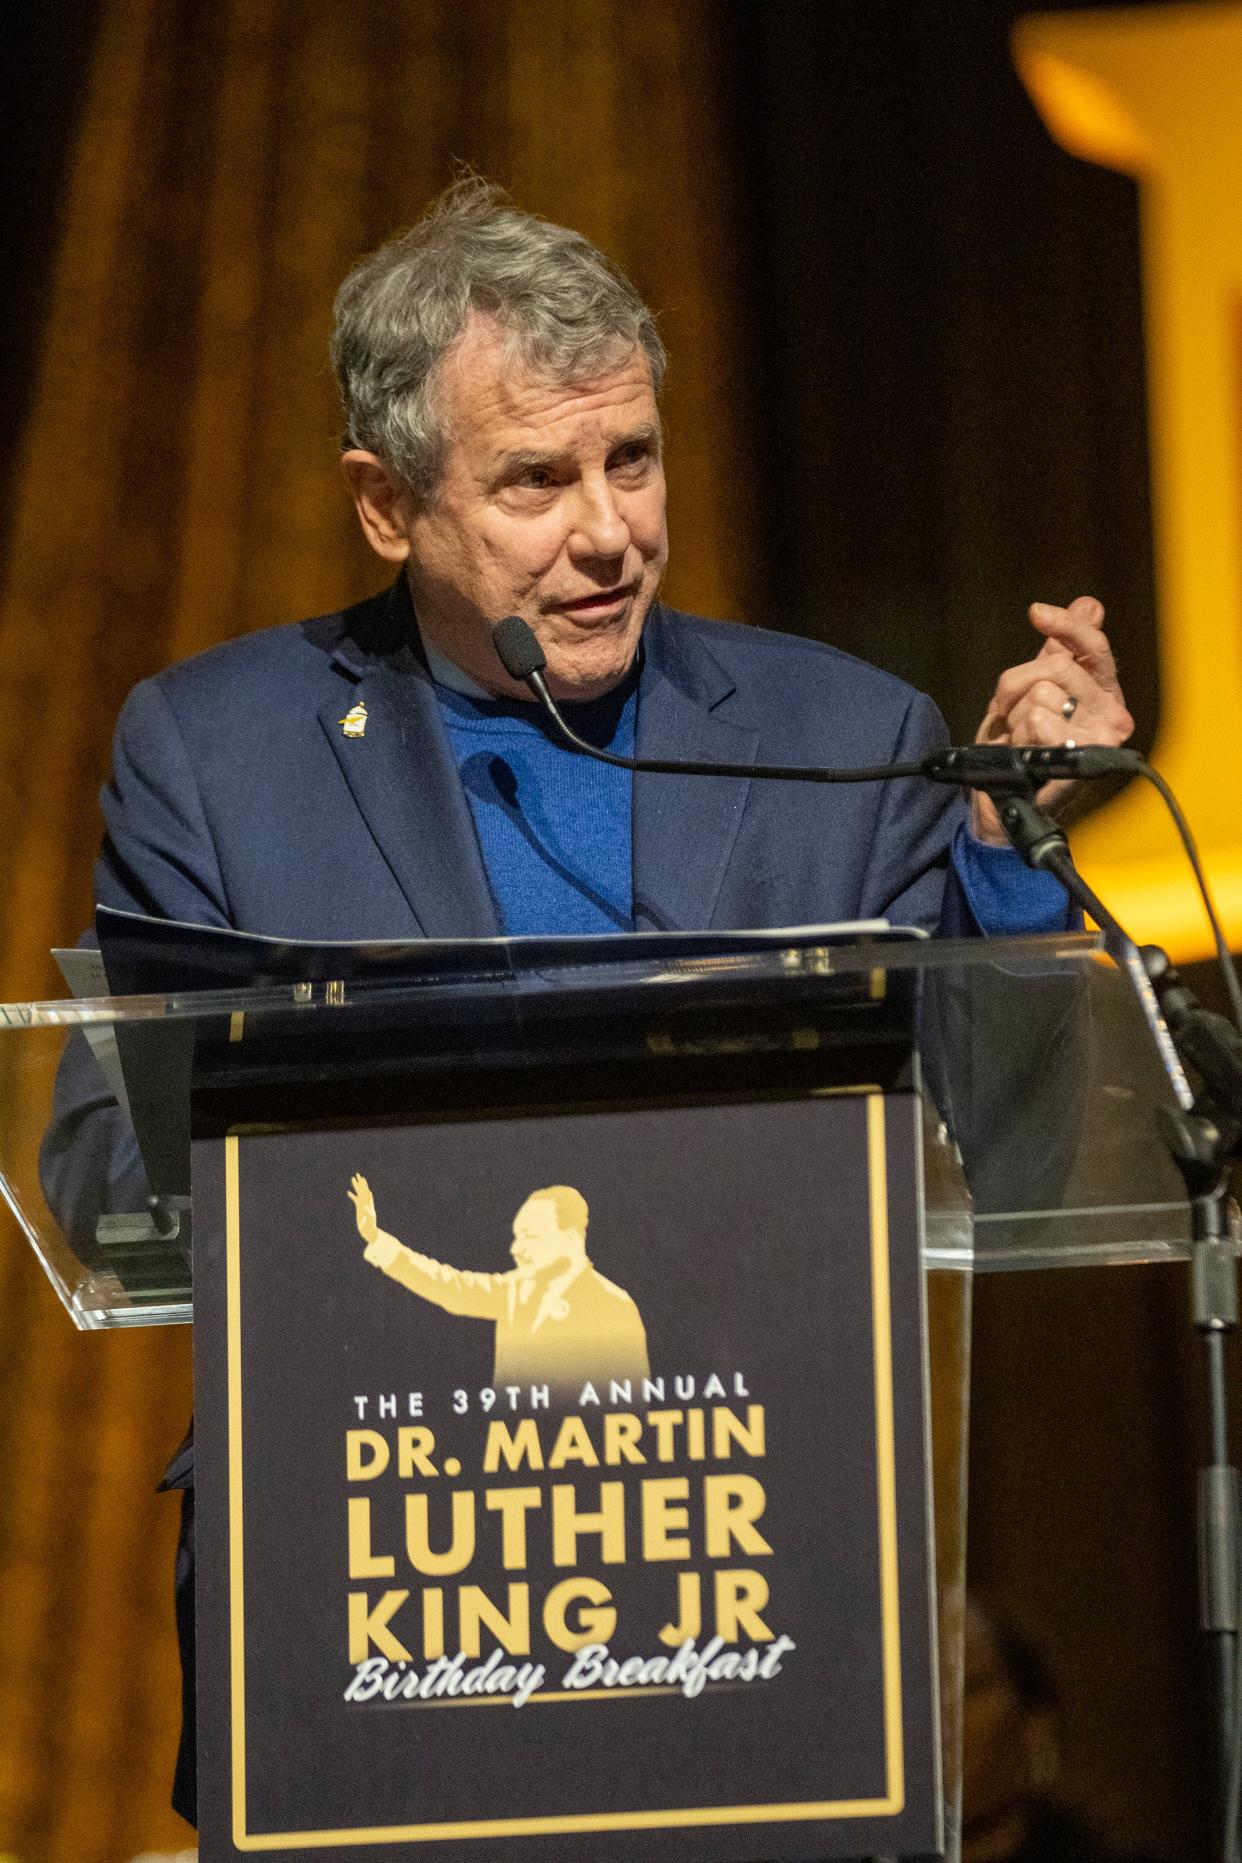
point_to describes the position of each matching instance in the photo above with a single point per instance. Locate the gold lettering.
(689, 1621)
(728, 1428)
(573, 1445)
(740, 1596)
(511, 1632)
(513, 1447)
(731, 1505)
(367, 1627)
(591, 1626)
(661, 1518)
(513, 1505)
(417, 1536)
(664, 1423)
(363, 1563)
(568, 1524)
(621, 1434)
(366, 1455)
(414, 1447)
(433, 1623)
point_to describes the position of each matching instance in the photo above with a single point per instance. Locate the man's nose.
(599, 529)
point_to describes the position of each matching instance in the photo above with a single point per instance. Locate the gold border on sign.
(890, 1619)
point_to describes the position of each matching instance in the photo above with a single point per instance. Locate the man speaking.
(376, 774)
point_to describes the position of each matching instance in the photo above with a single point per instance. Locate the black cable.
(996, 769)
(1223, 953)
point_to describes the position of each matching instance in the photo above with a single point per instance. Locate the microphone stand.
(1205, 1141)
(1203, 1133)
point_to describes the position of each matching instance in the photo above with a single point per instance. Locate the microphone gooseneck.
(994, 767)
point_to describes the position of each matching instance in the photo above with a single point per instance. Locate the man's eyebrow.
(524, 458)
(649, 434)
(528, 458)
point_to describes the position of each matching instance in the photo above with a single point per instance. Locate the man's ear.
(384, 503)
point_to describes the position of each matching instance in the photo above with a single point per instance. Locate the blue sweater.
(555, 828)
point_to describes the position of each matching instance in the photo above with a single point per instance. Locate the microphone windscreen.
(519, 651)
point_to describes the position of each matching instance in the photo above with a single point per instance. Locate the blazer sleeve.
(158, 857)
(1004, 1054)
(158, 853)
(910, 878)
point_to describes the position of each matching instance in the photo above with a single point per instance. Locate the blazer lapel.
(684, 826)
(402, 776)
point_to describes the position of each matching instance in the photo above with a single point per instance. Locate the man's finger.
(1048, 697)
(1086, 640)
(1040, 726)
(1060, 668)
(1082, 608)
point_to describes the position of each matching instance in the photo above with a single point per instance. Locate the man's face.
(538, 1240)
(550, 506)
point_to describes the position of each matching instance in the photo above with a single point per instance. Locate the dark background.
(942, 383)
(917, 324)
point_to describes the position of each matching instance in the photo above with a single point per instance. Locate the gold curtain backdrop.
(916, 446)
(177, 486)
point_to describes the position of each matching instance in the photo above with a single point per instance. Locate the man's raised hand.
(1068, 693)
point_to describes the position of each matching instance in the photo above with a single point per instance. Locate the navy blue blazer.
(237, 798)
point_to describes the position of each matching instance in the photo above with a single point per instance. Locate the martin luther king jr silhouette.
(558, 1321)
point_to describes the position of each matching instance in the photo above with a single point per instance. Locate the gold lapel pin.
(354, 723)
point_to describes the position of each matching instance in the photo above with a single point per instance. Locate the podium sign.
(563, 1485)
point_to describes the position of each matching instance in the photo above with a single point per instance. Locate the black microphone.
(974, 763)
(982, 766)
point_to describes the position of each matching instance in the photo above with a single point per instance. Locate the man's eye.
(538, 478)
(636, 454)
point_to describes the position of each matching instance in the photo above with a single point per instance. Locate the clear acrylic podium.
(1040, 1077)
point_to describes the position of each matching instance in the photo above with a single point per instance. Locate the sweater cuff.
(1006, 897)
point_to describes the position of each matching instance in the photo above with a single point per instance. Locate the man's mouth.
(596, 604)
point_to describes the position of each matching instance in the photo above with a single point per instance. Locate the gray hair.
(566, 308)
